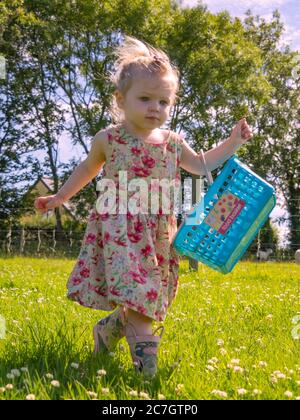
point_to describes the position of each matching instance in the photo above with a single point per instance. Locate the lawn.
(226, 337)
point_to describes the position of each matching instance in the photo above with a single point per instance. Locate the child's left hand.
(241, 132)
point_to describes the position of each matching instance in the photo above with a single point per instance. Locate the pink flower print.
(148, 161)
(76, 280)
(152, 223)
(134, 237)
(160, 259)
(100, 291)
(104, 216)
(95, 259)
(81, 263)
(164, 282)
(114, 291)
(137, 278)
(141, 309)
(119, 241)
(120, 140)
(151, 295)
(129, 303)
(132, 257)
(146, 251)
(138, 226)
(138, 171)
(143, 271)
(173, 261)
(170, 148)
(94, 216)
(85, 272)
(136, 151)
(106, 237)
(90, 238)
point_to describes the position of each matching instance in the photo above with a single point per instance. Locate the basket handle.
(207, 172)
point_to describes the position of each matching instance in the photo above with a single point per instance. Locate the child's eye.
(144, 98)
(164, 102)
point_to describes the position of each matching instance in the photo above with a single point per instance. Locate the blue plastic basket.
(219, 229)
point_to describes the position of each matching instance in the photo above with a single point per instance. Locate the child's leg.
(143, 344)
(108, 331)
(141, 323)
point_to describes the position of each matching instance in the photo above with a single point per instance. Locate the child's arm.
(81, 176)
(190, 160)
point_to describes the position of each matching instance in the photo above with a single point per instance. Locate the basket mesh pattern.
(220, 228)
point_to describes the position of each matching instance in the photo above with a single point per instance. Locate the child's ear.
(119, 98)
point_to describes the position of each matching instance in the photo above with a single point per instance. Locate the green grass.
(239, 324)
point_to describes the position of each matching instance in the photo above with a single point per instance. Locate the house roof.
(49, 184)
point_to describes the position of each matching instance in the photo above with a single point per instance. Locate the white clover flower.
(101, 372)
(49, 376)
(262, 364)
(24, 369)
(288, 394)
(235, 361)
(75, 365)
(9, 386)
(238, 369)
(256, 392)
(179, 388)
(219, 393)
(15, 372)
(161, 397)
(210, 368)
(55, 383)
(30, 397)
(133, 393)
(220, 342)
(223, 351)
(105, 391)
(10, 376)
(2, 389)
(92, 394)
(144, 395)
(242, 391)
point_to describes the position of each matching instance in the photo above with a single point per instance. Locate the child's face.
(147, 103)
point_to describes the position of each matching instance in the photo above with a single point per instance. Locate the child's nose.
(154, 106)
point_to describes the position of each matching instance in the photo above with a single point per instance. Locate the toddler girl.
(127, 263)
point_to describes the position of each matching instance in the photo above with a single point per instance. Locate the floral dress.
(127, 257)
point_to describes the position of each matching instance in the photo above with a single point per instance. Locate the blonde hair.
(136, 56)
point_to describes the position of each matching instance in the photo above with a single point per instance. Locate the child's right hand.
(43, 204)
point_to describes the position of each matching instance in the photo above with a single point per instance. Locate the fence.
(46, 242)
